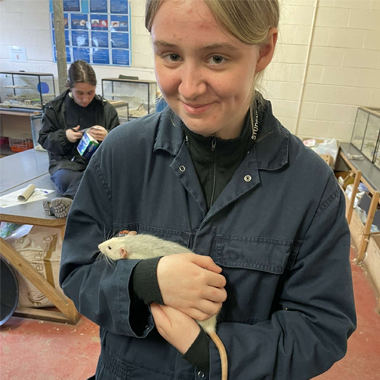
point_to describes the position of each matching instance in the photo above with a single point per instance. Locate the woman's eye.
(216, 59)
(174, 57)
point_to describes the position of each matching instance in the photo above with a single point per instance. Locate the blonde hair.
(247, 20)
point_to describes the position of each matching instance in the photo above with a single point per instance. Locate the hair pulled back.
(247, 20)
(82, 72)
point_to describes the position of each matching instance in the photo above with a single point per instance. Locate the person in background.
(160, 102)
(216, 172)
(63, 122)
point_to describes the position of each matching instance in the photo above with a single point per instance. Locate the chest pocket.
(256, 253)
(252, 267)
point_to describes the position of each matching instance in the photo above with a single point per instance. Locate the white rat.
(144, 246)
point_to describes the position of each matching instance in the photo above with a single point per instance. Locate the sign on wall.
(96, 31)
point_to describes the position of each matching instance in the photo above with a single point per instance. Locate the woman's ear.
(266, 51)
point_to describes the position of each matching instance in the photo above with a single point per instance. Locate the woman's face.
(205, 74)
(83, 93)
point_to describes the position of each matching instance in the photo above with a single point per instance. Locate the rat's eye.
(109, 247)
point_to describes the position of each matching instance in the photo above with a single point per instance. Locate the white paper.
(17, 54)
(10, 200)
(27, 193)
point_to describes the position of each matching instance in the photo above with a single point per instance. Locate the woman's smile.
(196, 109)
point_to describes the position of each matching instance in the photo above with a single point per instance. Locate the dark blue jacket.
(63, 154)
(278, 230)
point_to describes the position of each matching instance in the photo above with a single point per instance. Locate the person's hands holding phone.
(73, 134)
(98, 132)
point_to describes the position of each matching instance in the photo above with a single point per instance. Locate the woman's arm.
(52, 136)
(99, 290)
(99, 132)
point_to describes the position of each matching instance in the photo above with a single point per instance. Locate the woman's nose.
(192, 82)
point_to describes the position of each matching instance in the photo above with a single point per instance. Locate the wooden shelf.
(363, 171)
(370, 173)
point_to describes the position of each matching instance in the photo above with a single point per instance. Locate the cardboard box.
(314, 143)
(340, 179)
(327, 158)
(372, 260)
(364, 204)
(345, 178)
(41, 247)
(356, 229)
(87, 145)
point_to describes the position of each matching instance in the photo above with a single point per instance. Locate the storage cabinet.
(139, 94)
(15, 124)
(366, 133)
(363, 171)
(122, 110)
(26, 90)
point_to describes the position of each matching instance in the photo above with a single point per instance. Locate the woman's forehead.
(189, 22)
(184, 13)
(84, 87)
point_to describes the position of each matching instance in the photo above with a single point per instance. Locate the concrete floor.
(37, 350)
(362, 361)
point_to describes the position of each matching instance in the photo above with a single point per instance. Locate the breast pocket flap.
(263, 254)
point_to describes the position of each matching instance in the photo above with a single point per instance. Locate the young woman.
(218, 173)
(64, 118)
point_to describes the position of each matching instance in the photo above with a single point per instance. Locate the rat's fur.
(144, 246)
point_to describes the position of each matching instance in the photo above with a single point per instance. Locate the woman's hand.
(175, 327)
(98, 132)
(192, 284)
(73, 135)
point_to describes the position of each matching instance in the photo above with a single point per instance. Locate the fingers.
(72, 134)
(214, 279)
(98, 132)
(175, 326)
(187, 286)
(158, 313)
(205, 310)
(206, 262)
(217, 295)
(127, 232)
(208, 310)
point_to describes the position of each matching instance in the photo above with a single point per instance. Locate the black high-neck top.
(216, 160)
(77, 115)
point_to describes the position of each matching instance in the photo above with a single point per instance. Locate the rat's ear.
(123, 253)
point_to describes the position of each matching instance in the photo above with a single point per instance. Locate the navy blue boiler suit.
(278, 230)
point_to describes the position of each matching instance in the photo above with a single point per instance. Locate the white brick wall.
(343, 70)
(27, 23)
(333, 16)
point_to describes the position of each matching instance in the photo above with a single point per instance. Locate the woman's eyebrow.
(163, 43)
(224, 45)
